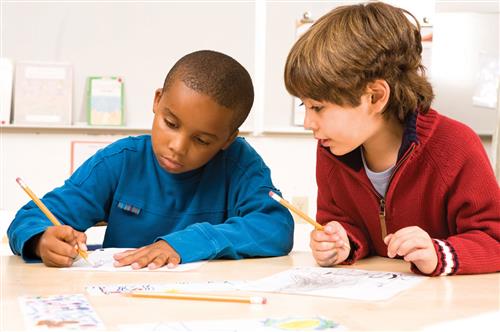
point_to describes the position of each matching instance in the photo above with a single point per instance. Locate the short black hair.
(218, 76)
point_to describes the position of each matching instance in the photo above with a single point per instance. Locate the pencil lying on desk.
(295, 210)
(200, 297)
(49, 214)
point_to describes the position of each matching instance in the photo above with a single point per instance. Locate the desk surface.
(433, 301)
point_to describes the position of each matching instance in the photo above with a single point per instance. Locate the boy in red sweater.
(395, 178)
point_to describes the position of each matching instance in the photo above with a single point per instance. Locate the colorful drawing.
(184, 286)
(301, 324)
(255, 325)
(65, 312)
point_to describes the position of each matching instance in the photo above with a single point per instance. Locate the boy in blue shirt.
(191, 191)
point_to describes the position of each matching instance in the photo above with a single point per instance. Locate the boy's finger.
(388, 238)
(416, 255)
(62, 248)
(55, 259)
(323, 246)
(327, 259)
(158, 262)
(173, 261)
(321, 236)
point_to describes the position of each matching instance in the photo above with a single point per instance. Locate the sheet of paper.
(336, 282)
(59, 312)
(103, 260)
(208, 286)
(247, 325)
(330, 282)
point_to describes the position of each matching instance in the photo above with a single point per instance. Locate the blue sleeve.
(80, 203)
(260, 227)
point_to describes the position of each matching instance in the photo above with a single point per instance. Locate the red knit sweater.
(443, 183)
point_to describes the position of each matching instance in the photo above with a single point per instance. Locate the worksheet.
(336, 282)
(103, 261)
(317, 281)
(59, 312)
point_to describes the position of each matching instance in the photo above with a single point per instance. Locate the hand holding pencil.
(329, 243)
(58, 245)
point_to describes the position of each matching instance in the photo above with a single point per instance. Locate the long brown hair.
(354, 45)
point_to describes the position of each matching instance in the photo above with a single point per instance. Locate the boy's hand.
(153, 256)
(58, 245)
(331, 246)
(415, 245)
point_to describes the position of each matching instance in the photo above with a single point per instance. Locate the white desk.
(433, 301)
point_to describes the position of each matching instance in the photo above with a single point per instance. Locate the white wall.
(142, 41)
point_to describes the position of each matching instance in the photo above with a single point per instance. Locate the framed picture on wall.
(83, 150)
(105, 101)
(43, 93)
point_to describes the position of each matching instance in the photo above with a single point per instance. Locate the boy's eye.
(201, 141)
(170, 124)
(314, 108)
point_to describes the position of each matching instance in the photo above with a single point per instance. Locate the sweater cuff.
(355, 253)
(447, 260)
(191, 244)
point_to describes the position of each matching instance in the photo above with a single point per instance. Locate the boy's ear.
(156, 101)
(380, 92)
(231, 139)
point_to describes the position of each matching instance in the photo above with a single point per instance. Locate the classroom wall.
(142, 41)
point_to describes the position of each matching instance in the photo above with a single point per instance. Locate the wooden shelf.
(287, 131)
(95, 130)
(117, 130)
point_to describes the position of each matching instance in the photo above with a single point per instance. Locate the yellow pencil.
(301, 214)
(200, 297)
(49, 214)
(292, 208)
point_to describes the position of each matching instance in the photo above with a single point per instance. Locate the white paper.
(207, 286)
(336, 282)
(103, 260)
(329, 282)
(247, 325)
(59, 312)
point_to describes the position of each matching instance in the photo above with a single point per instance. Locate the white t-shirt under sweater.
(380, 180)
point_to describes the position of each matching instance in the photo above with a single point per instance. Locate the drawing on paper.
(103, 260)
(67, 312)
(301, 324)
(241, 325)
(330, 282)
(184, 286)
(336, 282)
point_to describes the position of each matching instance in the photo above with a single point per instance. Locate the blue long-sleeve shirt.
(221, 210)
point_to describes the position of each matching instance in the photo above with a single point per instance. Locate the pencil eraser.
(258, 300)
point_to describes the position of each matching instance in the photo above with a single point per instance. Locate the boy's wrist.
(32, 247)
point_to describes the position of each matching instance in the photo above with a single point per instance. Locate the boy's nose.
(309, 121)
(179, 145)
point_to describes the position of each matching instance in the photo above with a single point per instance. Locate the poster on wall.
(43, 93)
(6, 77)
(299, 110)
